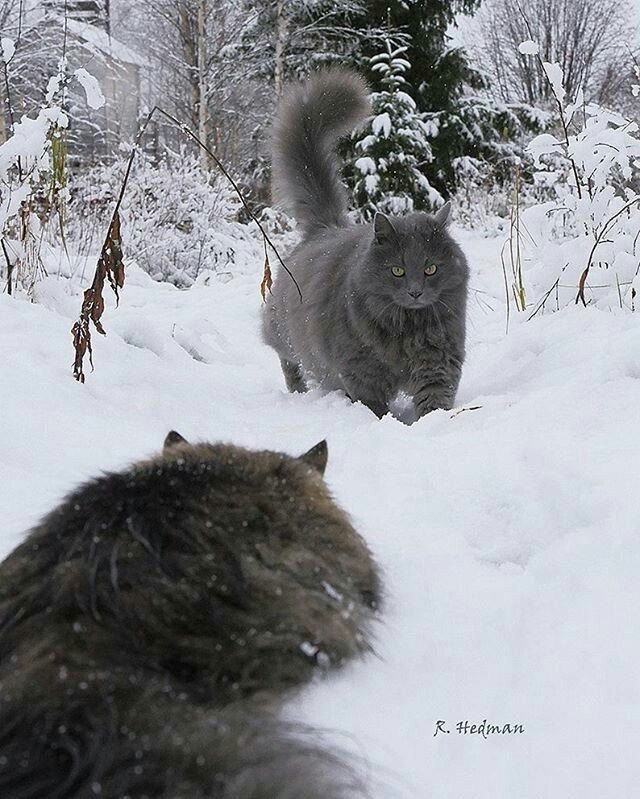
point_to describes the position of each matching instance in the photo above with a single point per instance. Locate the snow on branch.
(593, 225)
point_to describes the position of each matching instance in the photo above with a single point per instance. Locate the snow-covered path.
(508, 535)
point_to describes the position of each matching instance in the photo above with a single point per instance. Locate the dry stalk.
(515, 249)
(9, 266)
(514, 242)
(506, 288)
(601, 234)
(110, 266)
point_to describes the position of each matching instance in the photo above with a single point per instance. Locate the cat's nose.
(415, 293)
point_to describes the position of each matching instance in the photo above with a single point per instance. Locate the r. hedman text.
(484, 728)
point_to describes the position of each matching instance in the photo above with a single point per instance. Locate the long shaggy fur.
(311, 117)
(362, 327)
(152, 624)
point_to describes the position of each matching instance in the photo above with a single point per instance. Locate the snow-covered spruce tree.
(487, 144)
(384, 167)
(439, 71)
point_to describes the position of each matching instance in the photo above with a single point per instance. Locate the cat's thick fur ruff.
(151, 625)
(360, 327)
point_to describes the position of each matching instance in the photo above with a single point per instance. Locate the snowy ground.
(507, 534)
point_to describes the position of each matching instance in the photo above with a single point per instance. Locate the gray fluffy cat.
(383, 305)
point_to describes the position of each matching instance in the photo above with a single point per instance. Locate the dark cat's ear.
(443, 216)
(317, 457)
(383, 230)
(172, 440)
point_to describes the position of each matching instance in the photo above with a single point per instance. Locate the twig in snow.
(605, 229)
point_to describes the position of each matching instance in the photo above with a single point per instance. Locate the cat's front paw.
(432, 403)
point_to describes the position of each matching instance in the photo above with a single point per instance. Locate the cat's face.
(414, 263)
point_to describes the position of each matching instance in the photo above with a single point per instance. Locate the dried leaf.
(112, 256)
(82, 344)
(110, 266)
(267, 280)
(581, 284)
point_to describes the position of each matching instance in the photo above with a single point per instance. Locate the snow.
(556, 79)
(406, 100)
(529, 47)
(372, 183)
(29, 135)
(8, 48)
(541, 145)
(366, 165)
(381, 125)
(506, 529)
(95, 98)
(53, 87)
(367, 142)
(29, 138)
(100, 41)
(573, 107)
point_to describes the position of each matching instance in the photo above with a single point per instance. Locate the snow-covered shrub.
(177, 219)
(33, 175)
(384, 167)
(583, 244)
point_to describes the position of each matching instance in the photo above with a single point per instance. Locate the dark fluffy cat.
(383, 305)
(153, 622)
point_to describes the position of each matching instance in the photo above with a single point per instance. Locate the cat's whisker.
(442, 302)
(380, 313)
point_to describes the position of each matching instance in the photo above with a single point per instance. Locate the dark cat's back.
(158, 617)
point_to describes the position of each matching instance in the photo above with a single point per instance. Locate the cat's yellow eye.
(430, 269)
(397, 271)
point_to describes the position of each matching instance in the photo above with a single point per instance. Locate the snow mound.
(506, 529)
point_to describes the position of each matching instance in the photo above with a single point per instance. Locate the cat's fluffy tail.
(166, 753)
(311, 117)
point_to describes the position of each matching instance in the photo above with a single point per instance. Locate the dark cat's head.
(226, 568)
(413, 262)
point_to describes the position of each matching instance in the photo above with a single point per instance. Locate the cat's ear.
(317, 457)
(383, 230)
(173, 439)
(443, 216)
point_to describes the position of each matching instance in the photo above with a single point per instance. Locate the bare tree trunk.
(281, 40)
(202, 81)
